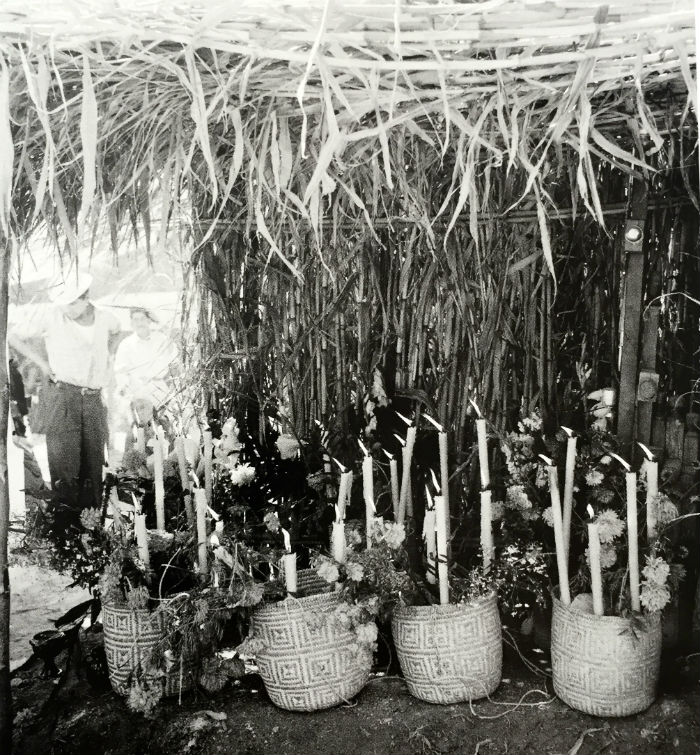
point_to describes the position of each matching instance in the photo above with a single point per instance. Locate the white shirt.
(142, 364)
(79, 354)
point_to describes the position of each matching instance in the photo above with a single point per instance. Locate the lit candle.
(368, 492)
(483, 448)
(200, 499)
(394, 477)
(562, 564)
(344, 489)
(208, 458)
(405, 490)
(444, 469)
(594, 556)
(142, 538)
(430, 542)
(569, 487)
(652, 473)
(632, 544)
(486, 530)
(289, 564)
(441, 533)
(158, 486)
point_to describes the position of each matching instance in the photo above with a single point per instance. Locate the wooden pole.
(629, 354)
(5, 690)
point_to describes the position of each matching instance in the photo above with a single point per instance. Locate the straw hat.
(65, 290)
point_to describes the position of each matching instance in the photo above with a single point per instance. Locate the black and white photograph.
(351, 377)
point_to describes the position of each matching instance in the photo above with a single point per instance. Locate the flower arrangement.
(599, 486)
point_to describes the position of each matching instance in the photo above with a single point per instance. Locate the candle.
(200, 499)
(430, 542)
(483, 453)
(568, 487)
(344, 489)
(142, 538)
(444, 470)
(486, 530)
(441, 534)
(562, 564)
(338, 541)
(594, 557)
(158, 487)
(141, 439)
(208, 455)
(289, 564)
(632, 546)
(405, 491)
(444, 476)
(652, 472)
(368, 492)
(394, 478)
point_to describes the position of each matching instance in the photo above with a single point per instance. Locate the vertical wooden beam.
(648, 377)
(634, 283)
(5, 690)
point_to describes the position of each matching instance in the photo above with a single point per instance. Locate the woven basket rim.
(294, 605)
(448, 608)
(621, 622)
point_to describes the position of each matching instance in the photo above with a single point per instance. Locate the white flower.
(355, 572)
(327, 570)
(547, 516)
(656, 570)
(654, 597)
(608, 556)
(610, 525)
(594, 478)
(533, 422)
(287, 445)
(272, 521)
(242, 474)
(366, 633)
(516, 498)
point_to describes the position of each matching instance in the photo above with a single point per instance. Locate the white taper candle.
(632, 544)
(441, 533)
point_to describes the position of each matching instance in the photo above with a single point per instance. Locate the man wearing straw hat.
(78, 339)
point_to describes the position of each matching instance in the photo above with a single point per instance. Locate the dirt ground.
(81, 716)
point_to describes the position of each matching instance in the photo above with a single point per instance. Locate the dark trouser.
(76, 432)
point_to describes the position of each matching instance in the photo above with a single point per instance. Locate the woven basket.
(130, 636)
(450, 653)
(308, 661)
(598, 665)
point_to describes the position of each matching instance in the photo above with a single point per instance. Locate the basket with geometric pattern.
(604, 665)
(449, 653)
(130, 637)
(307, 660)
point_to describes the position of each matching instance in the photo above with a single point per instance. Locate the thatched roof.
(312, 112)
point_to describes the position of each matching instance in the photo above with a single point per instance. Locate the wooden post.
(634, 277)
(5, 690)
(648, 386)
